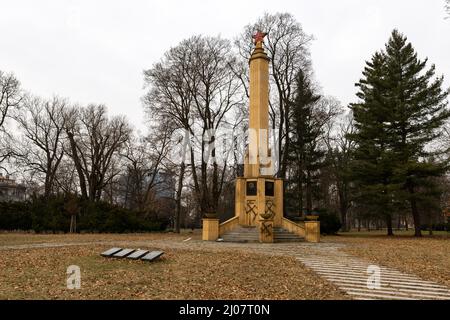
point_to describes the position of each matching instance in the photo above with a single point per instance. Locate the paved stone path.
(351, 275)
(347, 272)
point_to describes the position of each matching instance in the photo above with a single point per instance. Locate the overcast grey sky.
(95, 51)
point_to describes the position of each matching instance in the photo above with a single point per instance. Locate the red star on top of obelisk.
(259, 36)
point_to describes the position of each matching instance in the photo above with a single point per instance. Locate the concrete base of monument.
(257, 197)
(265, 232)
(210, 230)
(245, 234)
(312, 231)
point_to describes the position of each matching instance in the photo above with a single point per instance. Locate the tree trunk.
(281, 168)
(308, 193)
(343, 207)
(47, 189)
(415, 213)
(390, 231)
(284, 164)
(78, 167)
(205, 195)
(344, 219)
(179, 190)
(300, 191)
(73, 224)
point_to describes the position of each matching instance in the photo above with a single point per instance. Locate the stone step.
(287, 238)
(276, 235)
(239, 237)
(250, 234)
(256, 232)
(242, 234)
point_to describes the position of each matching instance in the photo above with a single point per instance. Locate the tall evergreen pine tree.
(304, 151)
(420, 109)
(402, 108)
(372, 168)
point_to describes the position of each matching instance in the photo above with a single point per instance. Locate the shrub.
(329, 223)
(15, 216)
(437, 227)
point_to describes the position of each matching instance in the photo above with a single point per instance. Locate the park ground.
(34, 266)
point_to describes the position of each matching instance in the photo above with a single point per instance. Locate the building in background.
(10, 190)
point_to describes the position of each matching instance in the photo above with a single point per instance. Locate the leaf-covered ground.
(179, 274)
(24, 238)
(34, 266)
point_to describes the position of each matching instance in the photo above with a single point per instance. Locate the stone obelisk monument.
(259, 196)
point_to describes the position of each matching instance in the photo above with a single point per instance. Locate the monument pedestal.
(256, 197)
(312, 231)
(210, 230)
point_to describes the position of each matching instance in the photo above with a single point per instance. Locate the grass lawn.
(28, 238)
(40, 273)
(197, 270)
(397, 233)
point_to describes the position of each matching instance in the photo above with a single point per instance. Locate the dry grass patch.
(179, 274)
(7, 239)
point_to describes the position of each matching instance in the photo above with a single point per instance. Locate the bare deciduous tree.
(42, 123)
(216, 91)
(170, 100)
(66, 179)
(195, 86)
(340, 151)
(95, 141)
(145, 159)
(10, 98)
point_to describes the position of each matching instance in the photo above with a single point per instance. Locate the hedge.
(51, 215)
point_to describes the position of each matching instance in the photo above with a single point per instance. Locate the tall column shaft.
(258, 151)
